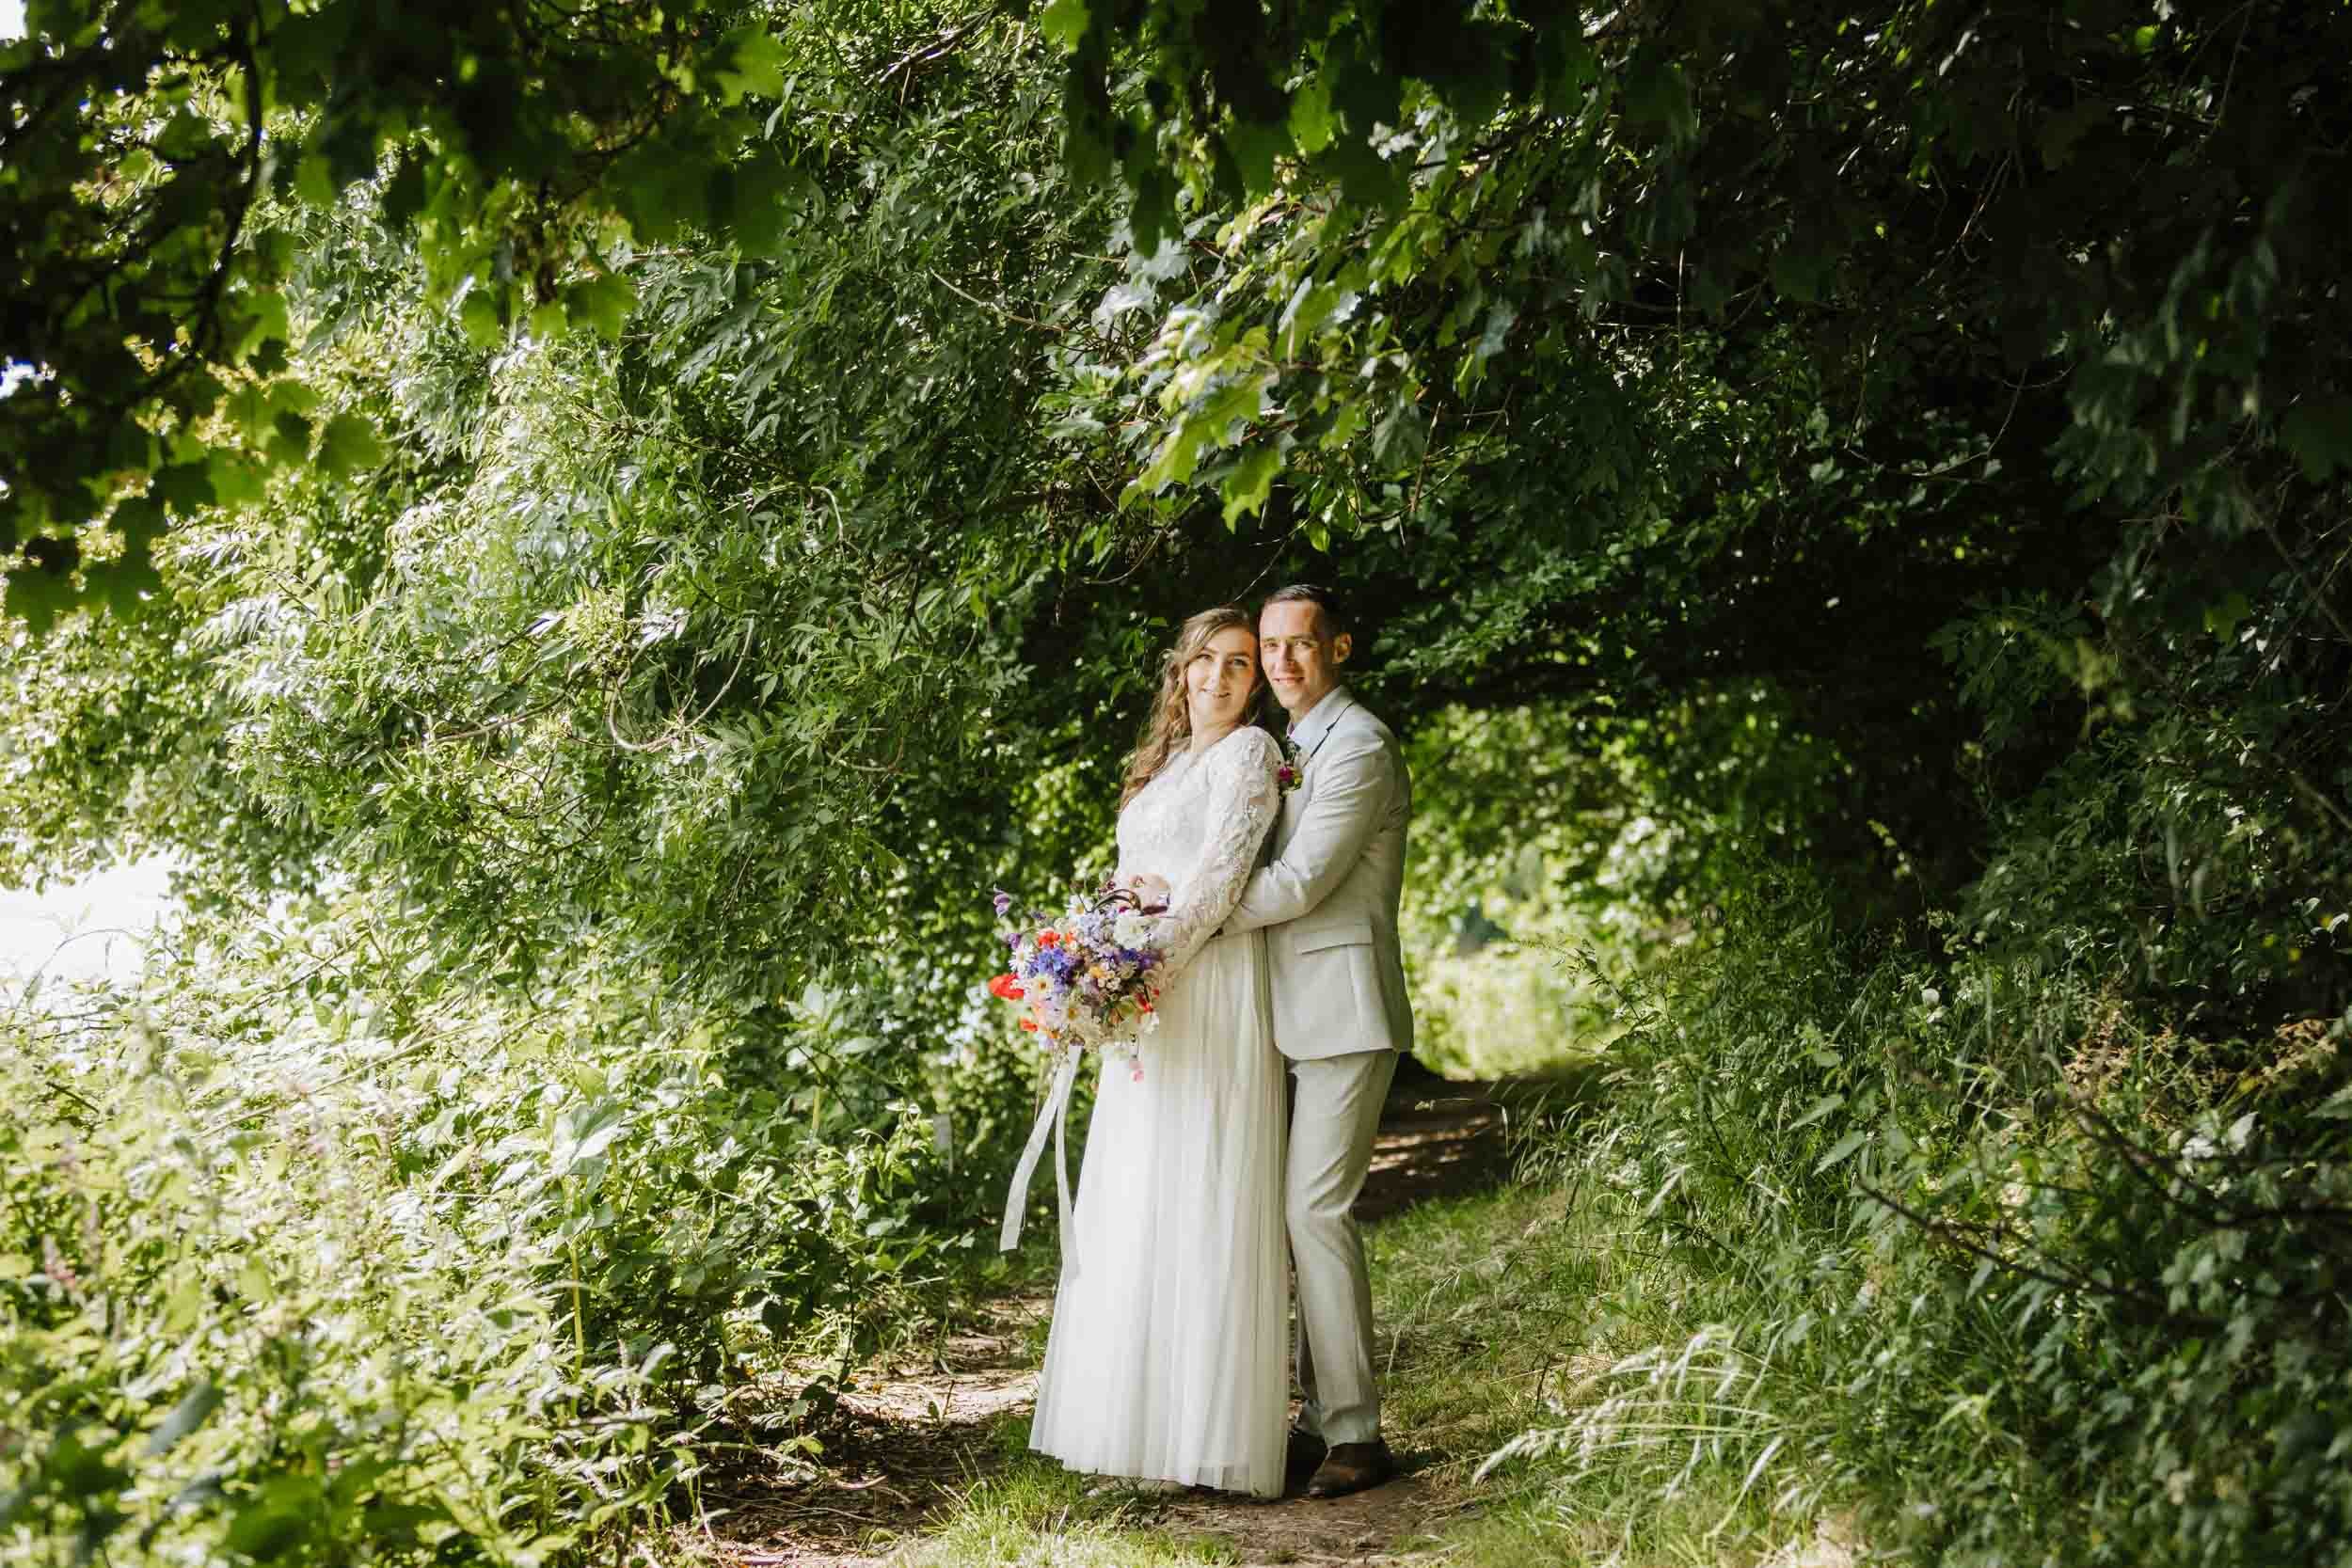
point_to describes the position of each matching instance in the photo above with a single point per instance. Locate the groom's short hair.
(1328, 605)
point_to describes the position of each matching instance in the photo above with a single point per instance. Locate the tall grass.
(1553, 1376)
(1958, 1255)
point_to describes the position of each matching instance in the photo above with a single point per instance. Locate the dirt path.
(905, 1448)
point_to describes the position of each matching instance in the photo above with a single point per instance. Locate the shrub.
(303, 1267)
(1973, 1242)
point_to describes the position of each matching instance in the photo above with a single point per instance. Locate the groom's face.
(1302, 660)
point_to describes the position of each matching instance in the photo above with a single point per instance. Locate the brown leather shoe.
(1351, 1467)
(1304, 1453)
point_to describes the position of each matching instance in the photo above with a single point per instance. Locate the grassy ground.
(1535, 1302)
(1041, 1516)
(1500, 1312)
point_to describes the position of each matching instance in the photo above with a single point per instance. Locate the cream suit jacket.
(1329, 897)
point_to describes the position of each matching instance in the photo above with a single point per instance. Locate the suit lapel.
(1294, 803)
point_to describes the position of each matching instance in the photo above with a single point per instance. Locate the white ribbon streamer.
(1051, 1115)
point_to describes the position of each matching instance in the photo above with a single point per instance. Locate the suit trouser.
(1335, 1111)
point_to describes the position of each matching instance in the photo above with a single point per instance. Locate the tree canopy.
(598, 533)
(1614, 361)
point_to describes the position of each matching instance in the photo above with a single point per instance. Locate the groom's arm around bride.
(1328, 902)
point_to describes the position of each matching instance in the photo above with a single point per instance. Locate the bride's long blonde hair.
(1170, 721)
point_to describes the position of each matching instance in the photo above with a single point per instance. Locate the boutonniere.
(1292, 771)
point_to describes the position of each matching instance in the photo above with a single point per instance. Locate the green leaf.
(1820, 1108)
(1151, 206)
(583, 1134)
(603, 302)
(1255, 148)
(478, 313)
(1658, 95)
(195, 1407)
(403, 197)
(314, 179)
(264, 322)
(2318, 432)
(1236, 402)
(2223, 619)
(1841, 1148)
(2063, 129)
(398, 1523)
(1798, 274)
(1310, 119)
(81, 1469)
(1310, 306)
(122, 581)
(1253, 479)
(265, 1530)
(756, 67)
(236, 480)
(1401, 434)
(1179, 453)
(349, 445)
(1064, 23)
(1365, 177)
(763, 197)
(40, 593)
(183, 487)
(1501, 317)
(1365, 90)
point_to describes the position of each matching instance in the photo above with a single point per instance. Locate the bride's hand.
(1151, 892)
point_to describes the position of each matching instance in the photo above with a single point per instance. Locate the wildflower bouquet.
(1087, 978)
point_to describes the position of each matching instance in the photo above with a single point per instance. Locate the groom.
(1329, 899)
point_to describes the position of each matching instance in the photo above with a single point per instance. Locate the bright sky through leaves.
(105, 915)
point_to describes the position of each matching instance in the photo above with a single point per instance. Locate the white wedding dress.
(1167, 1358)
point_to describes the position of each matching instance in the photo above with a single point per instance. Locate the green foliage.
(1508, 1309)
(662, 520)
(308, 1254)
(1751, 345)
(694, 637)
(143, 143)
(1545, 830)
(1982, 1253)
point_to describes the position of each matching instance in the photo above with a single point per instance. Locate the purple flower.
(1003, 901)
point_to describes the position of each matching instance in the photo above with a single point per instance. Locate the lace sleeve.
(1243, 799)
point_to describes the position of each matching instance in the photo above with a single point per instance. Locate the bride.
(1166, 1360)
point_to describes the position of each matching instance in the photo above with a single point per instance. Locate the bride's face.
(1219, 679)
